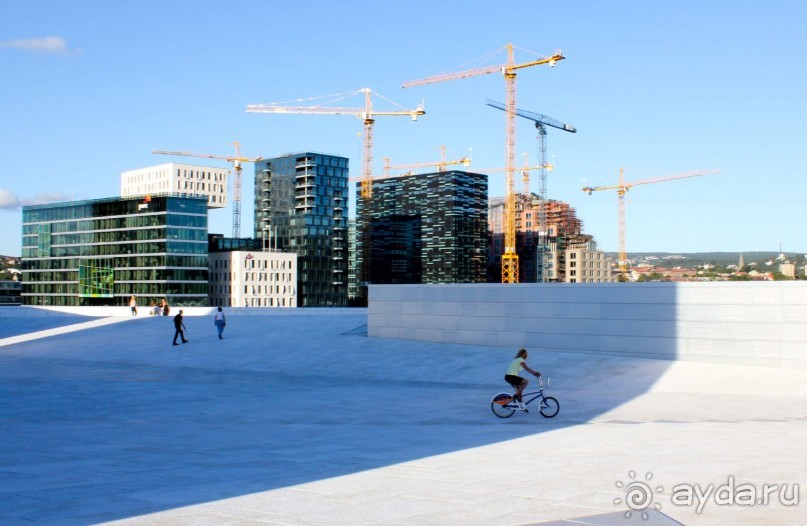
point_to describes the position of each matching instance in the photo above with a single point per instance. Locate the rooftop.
(297, 417)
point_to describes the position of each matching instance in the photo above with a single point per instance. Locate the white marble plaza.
(298, 418)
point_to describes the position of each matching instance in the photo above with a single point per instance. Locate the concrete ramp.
(301, 419)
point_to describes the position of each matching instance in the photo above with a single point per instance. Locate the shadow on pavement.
(115, 422)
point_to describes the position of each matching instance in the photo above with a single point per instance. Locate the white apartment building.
(177, 178)
(586, 264)
(252, 279)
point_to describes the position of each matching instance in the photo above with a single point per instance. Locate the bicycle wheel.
(502, 405)
(549, 407)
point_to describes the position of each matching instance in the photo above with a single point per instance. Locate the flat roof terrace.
(297, 417)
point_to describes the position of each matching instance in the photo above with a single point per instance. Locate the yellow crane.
(368, 115)
(621, 189)
(236, 161)
(508, 70)
(441, 165)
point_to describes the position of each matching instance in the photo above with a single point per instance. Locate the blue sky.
(89, 89)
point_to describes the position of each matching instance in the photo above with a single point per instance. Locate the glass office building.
(301, 206)
(425, 228)
(103, 251)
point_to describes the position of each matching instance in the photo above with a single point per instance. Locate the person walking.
(133, 305)
(180, 328)
(220, 322)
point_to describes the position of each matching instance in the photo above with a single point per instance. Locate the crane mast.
(236, 162)
(508, 70)
(541, 121)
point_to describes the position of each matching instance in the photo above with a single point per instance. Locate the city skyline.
(91, 89)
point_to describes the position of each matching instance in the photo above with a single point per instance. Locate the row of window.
(170, 261)
(108, 223)
(129, 236)
(175, 247)
(254, 290)
(112, 208)
(599, 264)
(255, 277)
(159, 289)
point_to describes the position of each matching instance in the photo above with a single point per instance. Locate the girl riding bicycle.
(512, 377)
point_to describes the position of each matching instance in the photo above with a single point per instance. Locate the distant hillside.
(715, 258)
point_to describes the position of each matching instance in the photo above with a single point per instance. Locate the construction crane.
(541, 122)
(441, 166)
(368, 115)
(508, 70)
(621, 189)
(236, 160)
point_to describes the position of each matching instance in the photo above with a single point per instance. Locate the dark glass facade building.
(425, 228)
(103, 251)
(301, 206)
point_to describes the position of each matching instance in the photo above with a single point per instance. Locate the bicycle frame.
(535, 395)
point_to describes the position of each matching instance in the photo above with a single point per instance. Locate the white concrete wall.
(761, 323)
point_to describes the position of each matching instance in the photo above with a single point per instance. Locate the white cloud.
(56, 45)
(10, 201)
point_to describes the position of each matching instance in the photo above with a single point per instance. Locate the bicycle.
(504, 405)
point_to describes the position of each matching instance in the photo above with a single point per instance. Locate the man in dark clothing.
(180, 327)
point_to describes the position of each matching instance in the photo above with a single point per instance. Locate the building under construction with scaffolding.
(557, 257)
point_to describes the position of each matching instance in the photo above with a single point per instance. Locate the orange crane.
(237, 159)
(621, 189)
(367, 114)
(508, 70)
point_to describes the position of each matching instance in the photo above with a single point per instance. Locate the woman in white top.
(220, 322)
(512, 377)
